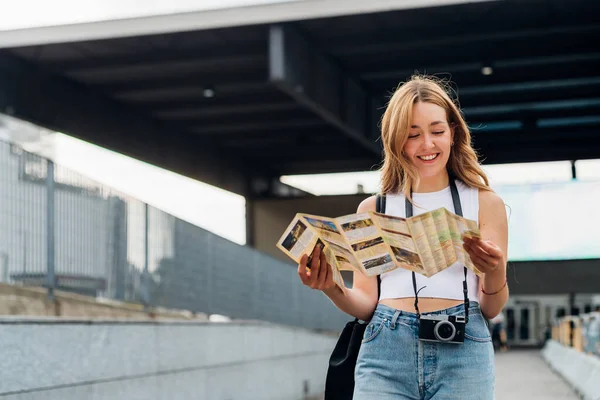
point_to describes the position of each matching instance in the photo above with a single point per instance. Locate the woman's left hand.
(486, 255)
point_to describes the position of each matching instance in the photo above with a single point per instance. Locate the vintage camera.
(442, 328)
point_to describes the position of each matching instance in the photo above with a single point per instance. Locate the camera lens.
(444, 331)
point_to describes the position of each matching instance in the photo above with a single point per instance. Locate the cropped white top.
(447, 284)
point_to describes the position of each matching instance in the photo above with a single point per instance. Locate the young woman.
(429, 163)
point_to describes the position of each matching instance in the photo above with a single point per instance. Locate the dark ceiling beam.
(138, 72)
(585, 91)
(281, 119)
(193, 79)
(158, 58)
(476, 64)
(550, 121)
(512, 109)
(279, 126)
(569, 122)
(520, 87)
(65, 106)
(573, 57)
(260, 143)
(517, 115)
(173, 94)
(316, 82)
(302, 147)
(460, 80)
(262, 94)
(291, 136)
(458, 40)
(393, 76)
(226, 111)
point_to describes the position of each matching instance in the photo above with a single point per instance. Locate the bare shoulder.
(490, 199)
(491, 206)
(368, 204)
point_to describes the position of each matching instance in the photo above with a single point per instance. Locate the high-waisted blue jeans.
(394, 364)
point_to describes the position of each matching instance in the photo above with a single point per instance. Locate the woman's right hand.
(316, 275)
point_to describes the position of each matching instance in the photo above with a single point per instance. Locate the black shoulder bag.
(339, 384)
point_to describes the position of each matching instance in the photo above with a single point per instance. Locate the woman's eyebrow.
(431, 124)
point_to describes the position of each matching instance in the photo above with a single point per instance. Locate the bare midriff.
(426, 304)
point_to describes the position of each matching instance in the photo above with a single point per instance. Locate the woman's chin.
(428, 173)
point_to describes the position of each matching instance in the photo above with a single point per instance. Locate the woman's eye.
(413, 136)
(438, 133)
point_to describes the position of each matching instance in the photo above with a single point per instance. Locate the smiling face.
(429, 140)
(418, 127)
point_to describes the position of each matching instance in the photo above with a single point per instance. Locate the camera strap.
(457, 211)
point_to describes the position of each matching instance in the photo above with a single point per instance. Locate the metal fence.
(59, 229)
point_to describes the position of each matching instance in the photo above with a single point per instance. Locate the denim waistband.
(383, 310)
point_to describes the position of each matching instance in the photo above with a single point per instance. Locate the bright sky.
(185, 198)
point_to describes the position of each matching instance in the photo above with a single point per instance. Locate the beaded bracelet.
(497, 291)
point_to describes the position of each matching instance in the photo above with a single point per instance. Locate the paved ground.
(523, 375)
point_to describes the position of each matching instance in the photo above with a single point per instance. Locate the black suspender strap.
(408, 208)
(380, 208)
(455, 198)
(458, 211)
(381, 203)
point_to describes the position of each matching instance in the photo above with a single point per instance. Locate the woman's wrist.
(333, 292)
(494, 280)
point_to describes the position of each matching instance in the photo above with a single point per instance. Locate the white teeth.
(429, 157)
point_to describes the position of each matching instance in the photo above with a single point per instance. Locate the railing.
(579, 332)
(60, 230)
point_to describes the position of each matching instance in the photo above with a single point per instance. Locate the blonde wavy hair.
(397, 174)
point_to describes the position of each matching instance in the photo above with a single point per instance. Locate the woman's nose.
(428, 142)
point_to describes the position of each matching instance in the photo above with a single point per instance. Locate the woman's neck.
(433, 183)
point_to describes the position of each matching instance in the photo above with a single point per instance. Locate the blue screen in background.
(552, 221)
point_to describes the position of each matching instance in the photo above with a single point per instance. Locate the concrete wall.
(580, 370)
(60, 359)
(554, 277)
(33, 301)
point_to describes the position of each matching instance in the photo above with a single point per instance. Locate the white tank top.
(447, 284)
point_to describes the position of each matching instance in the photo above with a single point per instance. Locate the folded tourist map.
(375, 243)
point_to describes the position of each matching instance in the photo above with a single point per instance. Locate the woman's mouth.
(428, 158)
